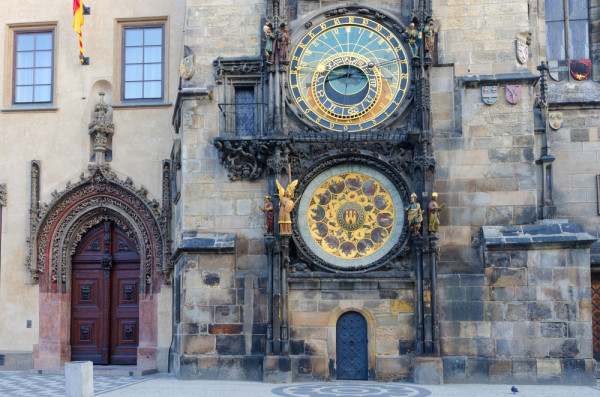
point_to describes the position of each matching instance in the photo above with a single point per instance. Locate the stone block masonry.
(526, 317)
(388, 306)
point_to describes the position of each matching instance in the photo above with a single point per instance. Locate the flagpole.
(81, 57)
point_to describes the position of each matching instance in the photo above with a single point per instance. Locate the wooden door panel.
(125, 314)
(105, 302)
(87, 316)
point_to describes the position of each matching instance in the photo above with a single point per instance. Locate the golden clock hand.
(372, 64)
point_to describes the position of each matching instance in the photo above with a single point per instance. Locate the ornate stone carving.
(424, 163)
(34, 212)
(100, 129)
(244, 158)
(309, 148)
(167, 200)
(60, 224)
(3, 194)
(236, 66)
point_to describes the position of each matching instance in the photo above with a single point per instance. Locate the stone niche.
(316, 302)
(527, 317)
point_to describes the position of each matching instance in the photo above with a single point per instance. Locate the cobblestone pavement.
(28, 384)
(16, 384)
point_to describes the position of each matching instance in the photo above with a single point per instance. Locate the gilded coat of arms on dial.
(350, 215)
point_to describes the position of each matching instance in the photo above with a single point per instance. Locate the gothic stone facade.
(361, 109)
(502, 293)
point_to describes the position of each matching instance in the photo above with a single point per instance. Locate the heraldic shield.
(580, 68)
(555, 120)
(489, 94)
(522, 51)
(559, 70)
(514, 93)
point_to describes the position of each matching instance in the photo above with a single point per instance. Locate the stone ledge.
(474, 81)
(205, 242)
(539, 236)
(571, 93)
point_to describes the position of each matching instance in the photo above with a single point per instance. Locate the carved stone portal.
(59, 225)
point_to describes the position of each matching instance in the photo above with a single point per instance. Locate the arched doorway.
(105, 297)
(351, 347)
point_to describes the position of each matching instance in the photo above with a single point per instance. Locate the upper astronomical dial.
(349, 74)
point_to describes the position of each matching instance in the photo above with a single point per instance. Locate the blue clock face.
(349, 74)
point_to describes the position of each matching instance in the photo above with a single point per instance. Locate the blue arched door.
(351, 347)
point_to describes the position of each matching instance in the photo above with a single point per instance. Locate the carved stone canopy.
(236, 66)
(101, 129)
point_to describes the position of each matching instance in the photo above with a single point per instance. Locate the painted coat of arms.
(514, 93)
(580, 68)
(522, 51)
(555, 119)
(489, 94)
(559, 70)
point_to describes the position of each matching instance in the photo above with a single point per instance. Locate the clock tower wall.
(270, 302)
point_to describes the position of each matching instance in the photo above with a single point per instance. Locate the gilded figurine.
(269, 211)
(429, 31)
(415, 214)
(414, 40)
(434, 212)
(286, 205)
(283, 43)
(269, 43)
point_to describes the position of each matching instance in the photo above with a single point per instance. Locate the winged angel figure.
(286, 205)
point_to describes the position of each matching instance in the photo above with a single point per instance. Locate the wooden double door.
(105, 297)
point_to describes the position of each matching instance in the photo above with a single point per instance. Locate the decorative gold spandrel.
(351, 215)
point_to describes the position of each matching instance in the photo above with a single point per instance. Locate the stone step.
(102, 370)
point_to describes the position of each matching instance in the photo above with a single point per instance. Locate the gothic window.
(567, 30)
(33, 66)
(143, 62)
(245, 111)
(242, 108)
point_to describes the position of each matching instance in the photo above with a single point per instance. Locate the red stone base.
(54, 348)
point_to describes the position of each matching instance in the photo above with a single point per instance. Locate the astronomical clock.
(349, 79)
(349, 74)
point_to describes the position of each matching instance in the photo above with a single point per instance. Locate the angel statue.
(286, 205)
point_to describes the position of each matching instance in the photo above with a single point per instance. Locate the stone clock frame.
(370, 165)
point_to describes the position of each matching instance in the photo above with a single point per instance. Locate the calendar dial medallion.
(349, 74)
(350, 216)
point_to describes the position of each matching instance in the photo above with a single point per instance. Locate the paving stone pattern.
(348, 389)
(23, 384)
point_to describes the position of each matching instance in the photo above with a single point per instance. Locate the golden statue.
(415, 214)
(286, 205)
(434, 212)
